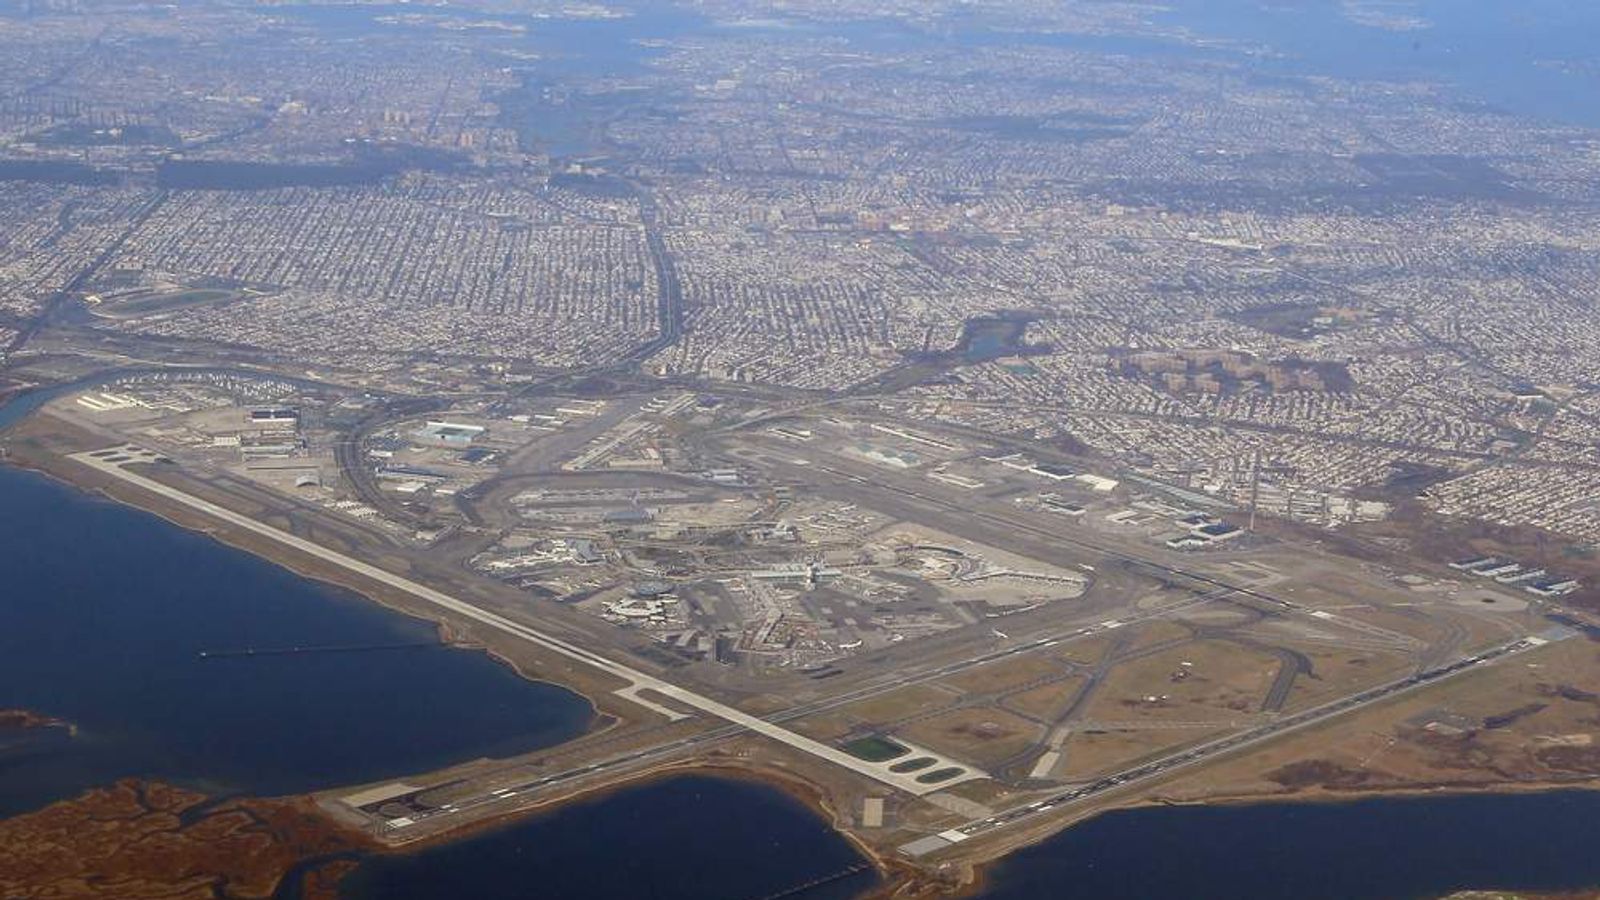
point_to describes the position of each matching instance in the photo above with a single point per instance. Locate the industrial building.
(450, 434)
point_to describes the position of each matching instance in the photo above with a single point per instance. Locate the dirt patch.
(1004, 675)
(1202, 681)
(1320, 773)
(984, 737)
(1047, 701)
(1580, 760)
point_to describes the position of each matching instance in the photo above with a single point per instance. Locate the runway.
(1233, 742)
(112, 461)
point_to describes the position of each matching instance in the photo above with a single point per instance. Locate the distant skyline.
(965, 417)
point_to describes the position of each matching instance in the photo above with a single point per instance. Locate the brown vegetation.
(23, 718)
(1321, 773)
(145, 840)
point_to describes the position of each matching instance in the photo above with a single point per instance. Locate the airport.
(964, 643)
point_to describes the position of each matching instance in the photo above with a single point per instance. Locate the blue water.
(106, 610)
(566, 45)
(699, 838)
(1382, 849)
(1505, 53)
(691, 838)
(1513, 55)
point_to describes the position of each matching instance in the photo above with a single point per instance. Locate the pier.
(332, 648)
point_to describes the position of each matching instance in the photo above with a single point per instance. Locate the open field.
(1196, 681)
(968, 415)
(758, 645)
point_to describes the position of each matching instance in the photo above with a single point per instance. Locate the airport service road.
(934, 843)
(902, 679)
(662, 751)
(1194, 755)
(880, 487)
(112, 460)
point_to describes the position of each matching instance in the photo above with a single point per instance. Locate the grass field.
(875, 749)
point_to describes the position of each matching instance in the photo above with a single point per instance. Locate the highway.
(62, 298)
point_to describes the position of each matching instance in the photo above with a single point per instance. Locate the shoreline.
(243, 846)
(446, 634)
(897, 879)
(962, 875)
(798, 789)
(978, 873)
(28, 720)
(813, 796)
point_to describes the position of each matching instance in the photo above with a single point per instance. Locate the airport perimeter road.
(1241, 740)
(636, 679)
(666, 750)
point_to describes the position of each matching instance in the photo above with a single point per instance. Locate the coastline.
(198, 845)
(962, 874)
(604, 719)
(809, 793)
(801, 790)
(28, 720)
(979, 870)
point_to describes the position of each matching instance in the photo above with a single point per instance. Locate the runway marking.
(1235, 742)
(636, 678)
(631, 692)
